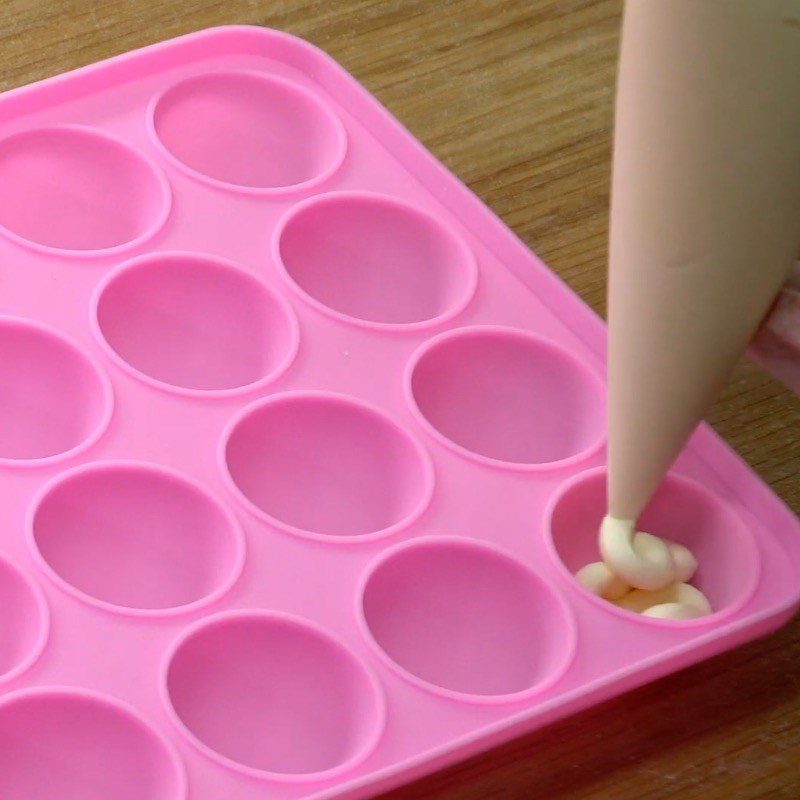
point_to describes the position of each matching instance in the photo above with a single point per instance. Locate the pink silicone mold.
(287, 702)
(71, 744)
(319, 538)
(464, 620)
(506, 398)
(26, 622)
(193, 324)
(55, 401)
(259, 133)
(326, 466)
(374, 260)
(681, 510)
(135, 538)
(74, 190)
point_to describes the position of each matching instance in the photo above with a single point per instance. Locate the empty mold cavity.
(71, 744)
(272, 696)
(54, 399)
(375, 260)
(506, 398)
(135, 538)
(465, 620)
(24, 622)
(324, 465)
(681, 510)
(194, 324)
(248, 131)
(76, 190)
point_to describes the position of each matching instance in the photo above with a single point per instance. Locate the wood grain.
(516, 98)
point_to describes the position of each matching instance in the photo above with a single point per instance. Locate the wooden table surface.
(515, 97)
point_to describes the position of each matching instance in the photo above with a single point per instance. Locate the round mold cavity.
(60, 743)
(681, 510)
(25, 622)
(326, 466)
(259, 134)
(506, 398)
(374, 261)
(272, 696)
(194, 324)
(55, 401)
(464, 620)
(73, 190)
(135, 538)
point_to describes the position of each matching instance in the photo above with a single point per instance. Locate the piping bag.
(705, 225)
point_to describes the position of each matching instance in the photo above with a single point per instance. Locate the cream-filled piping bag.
(705, 222)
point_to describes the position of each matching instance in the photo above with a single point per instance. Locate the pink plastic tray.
(299, 448)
